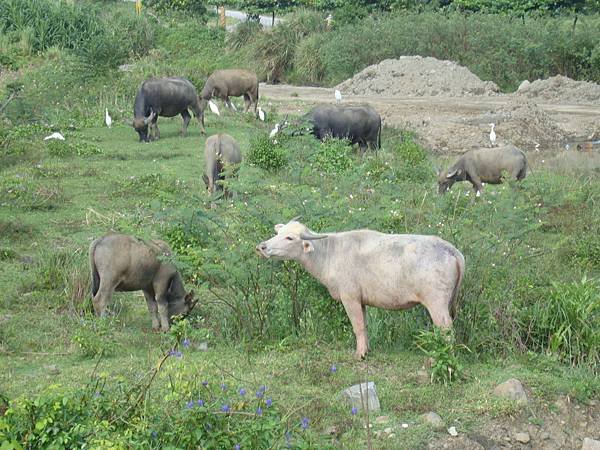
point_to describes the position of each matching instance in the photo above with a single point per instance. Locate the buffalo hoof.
(359, 356)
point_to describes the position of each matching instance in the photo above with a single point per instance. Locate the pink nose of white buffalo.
(261, 249)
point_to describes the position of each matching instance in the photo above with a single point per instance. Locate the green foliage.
(22, 192)
(189, 6)
(267, 154)
(334, 156)
(60, 148)
(243, 34)
(440, 346)
(562, 323)
(94, 336)
(415, 166)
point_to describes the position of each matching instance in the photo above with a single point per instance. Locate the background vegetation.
(528, 306)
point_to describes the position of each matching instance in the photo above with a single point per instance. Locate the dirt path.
(457, 124)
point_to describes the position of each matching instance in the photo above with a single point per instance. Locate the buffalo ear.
(453, 173)
(278, 227)
(307, 247)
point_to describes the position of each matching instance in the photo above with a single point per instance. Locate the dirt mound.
(561, 89)
(415, 76)
(524, 124)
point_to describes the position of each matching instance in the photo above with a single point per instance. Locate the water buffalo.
(484, 166)
(165, 97)
(120, 262)
(220, 151)
(360, 124)
(231, 83)
(364, 267)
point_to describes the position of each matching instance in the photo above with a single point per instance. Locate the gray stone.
(524, 86)
(513, 390)
(590, 444)
(203, 346)
(52, 369)
(126, 67)
(433, 420)
(522, 437)
(452, 431)
(382, 419)
(369, 394)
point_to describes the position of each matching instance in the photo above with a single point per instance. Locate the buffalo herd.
(360, 268)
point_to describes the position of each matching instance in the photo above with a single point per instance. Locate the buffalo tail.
(460, 268)
(94, 271)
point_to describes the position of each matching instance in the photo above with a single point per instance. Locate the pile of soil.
(415, 76)
(523, 123)
(560, 89)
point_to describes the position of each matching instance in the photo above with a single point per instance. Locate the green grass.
(155, 190)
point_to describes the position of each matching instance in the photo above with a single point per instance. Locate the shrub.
(266, 153)
(333, 156)
(415, 166)
(563, 322)
(244, 34)
(196, 7)
(439, 346)
(94, 336)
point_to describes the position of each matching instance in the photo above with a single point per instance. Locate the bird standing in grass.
(108, 119)
(261, 113)
(274, 131)
(492, 135)
(213, 108)
(338, 96)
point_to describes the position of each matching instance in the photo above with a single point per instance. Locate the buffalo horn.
(310, 236)
(451, 174)
(296, 218)
(149, 118)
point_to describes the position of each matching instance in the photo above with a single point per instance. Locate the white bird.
(492, 135)
(108, 119)
(261, 113)
(55, 135)
(338, 96)
(213, 108)
(274, 131)
(328, 20)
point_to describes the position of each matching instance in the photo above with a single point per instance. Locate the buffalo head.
(141, 126)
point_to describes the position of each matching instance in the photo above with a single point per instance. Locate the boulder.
(433, 420)
(590, 444)
(369, 394)
(513, 390)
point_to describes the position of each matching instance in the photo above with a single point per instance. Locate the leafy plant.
(439, 345)
(94, 336)
(266, 153)
(333, 156)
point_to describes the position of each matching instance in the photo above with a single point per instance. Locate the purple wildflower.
(154, 435)
(259, 411)
(200, 402)
(225, 408)
(260, 394)
(269, 402)
(333, 369)
(97, 394)
(304, 424)
(205, 383)
(186, 342)
(223, 387)
(176, 353)
(242, 392)
(237, 447)
(354, 410)
(190, 404)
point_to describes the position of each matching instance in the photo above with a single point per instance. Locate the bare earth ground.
(457, 124)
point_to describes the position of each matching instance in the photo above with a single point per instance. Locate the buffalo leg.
(364, 312)
(355, 313)
(153, 310)
(247, 102)
(185, 115)
(163, 305)
(477, 185)
(199, 117)
(102, 297)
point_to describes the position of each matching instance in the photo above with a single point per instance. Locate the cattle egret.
(329, 20)
(108, 119)
(261, 114)
(492, 135)
(213, 107)
(55, 135)
(274, 131)
(338, 96)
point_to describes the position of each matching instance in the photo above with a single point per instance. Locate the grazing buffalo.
(484, 166)
(120, 262)
(364, 267)
(220, 151)
(359, 124)
(231, 83)
(165, 97)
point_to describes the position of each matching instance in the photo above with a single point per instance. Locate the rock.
(391, 436)
(126, 67)
(203, 346)
(544, 435)
(433, 420)
(382, 419)
(369, 396)
(52, 369)
(452, 431)
(524, 86)
(422, 377)
(388, 430)
(332, 430)
(513, 390)
(522, 437)
(590, 444)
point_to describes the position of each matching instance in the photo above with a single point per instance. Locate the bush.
(333, 156)
(267, 154)
(196, 7)
(563, 323)
(439, 346)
